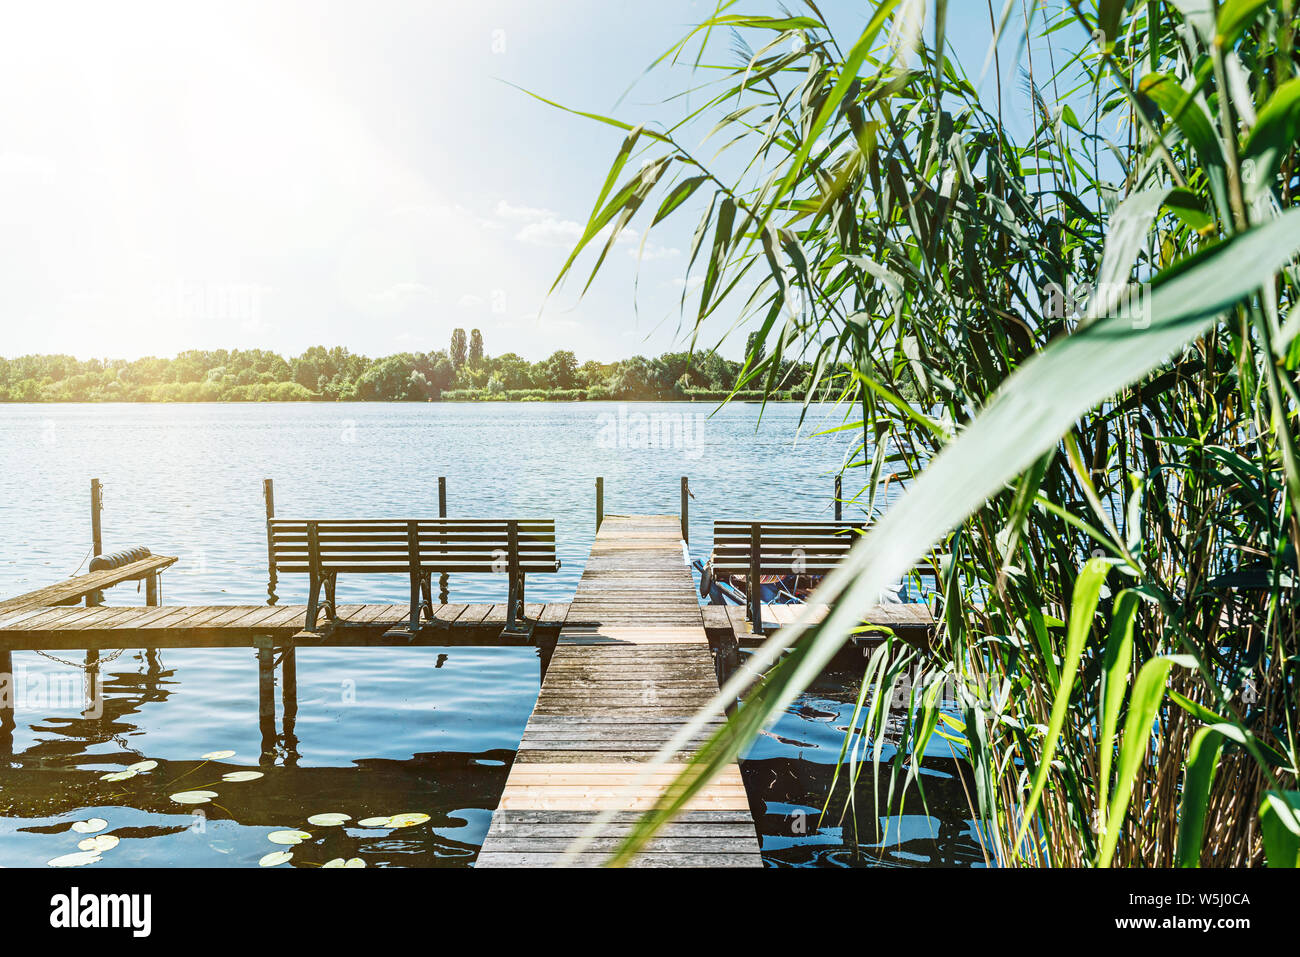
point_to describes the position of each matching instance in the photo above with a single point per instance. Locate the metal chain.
(77, 664)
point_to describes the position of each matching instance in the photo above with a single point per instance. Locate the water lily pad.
(78, 859)
(141, 766)
(355, 862)
(118, 775)
(409, 819)
(237, 776)
(193, 797)
(374, 822)
(100, 842)
(337, 862)
(90, 826)
(275, 858)
(288, 837)
(328, 820)
(217, 755)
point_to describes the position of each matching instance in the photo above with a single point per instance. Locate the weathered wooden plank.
(78, 587)
(631, 666)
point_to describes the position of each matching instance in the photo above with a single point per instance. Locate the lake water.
(378, 731)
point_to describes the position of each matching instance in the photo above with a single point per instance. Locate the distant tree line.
(463, 372)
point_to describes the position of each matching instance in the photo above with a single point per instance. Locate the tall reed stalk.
(1101, 324)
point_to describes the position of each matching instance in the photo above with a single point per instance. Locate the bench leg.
(514, 599)
(754, 599)
(330, 605)
(415, 603)
(313, 603)
(426, 587)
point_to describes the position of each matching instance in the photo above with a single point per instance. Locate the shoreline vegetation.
(461, 373)
(1101, 317)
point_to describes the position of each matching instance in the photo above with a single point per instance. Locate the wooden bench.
(419, 548)
(757, 548)
(89, 585)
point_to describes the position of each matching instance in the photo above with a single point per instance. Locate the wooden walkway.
(631, 666)
(74, 589)
(226, 626)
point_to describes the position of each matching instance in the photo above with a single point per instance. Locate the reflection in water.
(51, 773)
(788, 773)
(374, 731)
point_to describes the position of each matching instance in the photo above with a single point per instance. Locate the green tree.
(562, 370)
(475, 348)
(458, 348)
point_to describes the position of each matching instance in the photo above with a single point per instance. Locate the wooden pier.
(624, 666)
(233, 626)
(631, 666)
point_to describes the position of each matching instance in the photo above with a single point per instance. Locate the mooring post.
(442, 513)
(96, 536)
(289, 700)
(268, 495)
(600, 501)
(96, 506)
(839, 498)
(8, 692)
(686, 511)
(92, 684)
(266, 698)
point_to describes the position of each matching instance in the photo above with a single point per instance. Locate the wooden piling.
(442, 513)
(92, 683)
(686, 510)
(600, 501)
(839, 498)
(96, 507)
(289, 700)
(8, 690)
(266, 697)
(96, 533)
(268, 495)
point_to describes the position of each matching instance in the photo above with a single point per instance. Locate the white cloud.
(402, 294)
(654, 251)
(565, 232)
(470, 301)
(523, 214)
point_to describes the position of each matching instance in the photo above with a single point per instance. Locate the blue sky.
(284, 174)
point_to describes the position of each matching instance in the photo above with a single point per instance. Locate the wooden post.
(442, 513)
(96, 507)
(266, 698)
(289, 700)
(839, 498)
(754, 598)
(686, 511)
(151, 589)
(8, 692)
(600, 501)
(96, 534)
(92, 685)
(268, 495)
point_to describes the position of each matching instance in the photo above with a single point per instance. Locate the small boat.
(731, 589)
(776, 589)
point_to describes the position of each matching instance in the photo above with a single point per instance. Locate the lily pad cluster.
(91, 848)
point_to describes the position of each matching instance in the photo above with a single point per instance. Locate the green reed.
(1101, 326)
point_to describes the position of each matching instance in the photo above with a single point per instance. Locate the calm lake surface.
(379, 731)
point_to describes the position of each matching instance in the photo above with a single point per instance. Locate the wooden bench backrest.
(785, 547)
(364, 546)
